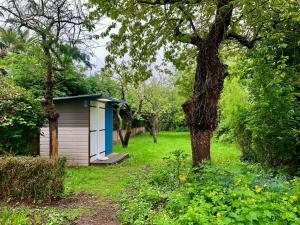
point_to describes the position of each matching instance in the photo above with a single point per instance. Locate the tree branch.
(221, 23)
(242, 40)
(166, 2)
(186, 38)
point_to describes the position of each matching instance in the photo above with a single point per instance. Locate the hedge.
(31, 178)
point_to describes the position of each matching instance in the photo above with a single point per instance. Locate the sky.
(98, 57)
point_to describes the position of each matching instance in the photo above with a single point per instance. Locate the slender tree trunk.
(50, 111)
(124, 138)
(154, 127)
(127, 132)
(120, 129)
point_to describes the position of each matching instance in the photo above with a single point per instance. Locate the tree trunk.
(127, 133)
(124, 138)
(201, 110)
(154, 127)
(200, 140)
(50, 112)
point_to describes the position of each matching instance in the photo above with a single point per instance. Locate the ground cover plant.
(227, 192)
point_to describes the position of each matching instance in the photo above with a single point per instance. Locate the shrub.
(21, 116)
(32, 178)
(266, 79)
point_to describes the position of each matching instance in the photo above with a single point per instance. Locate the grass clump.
(31, 178)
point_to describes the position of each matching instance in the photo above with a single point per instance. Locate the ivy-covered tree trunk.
(201, 110)
(50, 111)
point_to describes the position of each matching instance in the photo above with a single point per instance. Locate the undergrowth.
(218, 194)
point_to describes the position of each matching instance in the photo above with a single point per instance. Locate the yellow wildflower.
(258, 189)
(182, 178)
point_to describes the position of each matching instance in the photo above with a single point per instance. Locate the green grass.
(109, 182)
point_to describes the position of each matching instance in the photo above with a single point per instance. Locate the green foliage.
(26, 69)
(28, 178)
(20, 215)
(21, 116)
(232, 106)
(11, 217)
(144, 156)
(219, 194)
(260, 102)
(14, 40)
(162, 99)
(274, 116)
(102, 83)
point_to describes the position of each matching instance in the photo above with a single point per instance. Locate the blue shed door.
(97, 130)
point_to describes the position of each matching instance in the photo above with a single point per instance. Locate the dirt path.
(98, 213)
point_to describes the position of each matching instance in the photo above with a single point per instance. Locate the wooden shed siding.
(72, 114)
(73, 133)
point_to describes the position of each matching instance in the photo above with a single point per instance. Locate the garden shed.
(85, 129)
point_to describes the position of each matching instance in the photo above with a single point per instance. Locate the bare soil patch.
(97, 211)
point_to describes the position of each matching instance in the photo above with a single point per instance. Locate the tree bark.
(154, 127)
(50, 111)
(127, 132)
(124, 138)
(201, 110)
(131, 116)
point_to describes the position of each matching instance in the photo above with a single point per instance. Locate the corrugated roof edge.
(91, 97)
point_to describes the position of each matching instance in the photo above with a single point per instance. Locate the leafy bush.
(21, 116)
(221, 194)
(31, 178)
(233, 104)
(266, 121)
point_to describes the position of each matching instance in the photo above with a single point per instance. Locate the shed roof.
(100, 97)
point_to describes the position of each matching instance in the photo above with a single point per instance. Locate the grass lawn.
(109, 181)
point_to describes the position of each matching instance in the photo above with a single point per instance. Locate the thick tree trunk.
(201, 109)
(200, 140)
(154, 127)
(50, 112)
